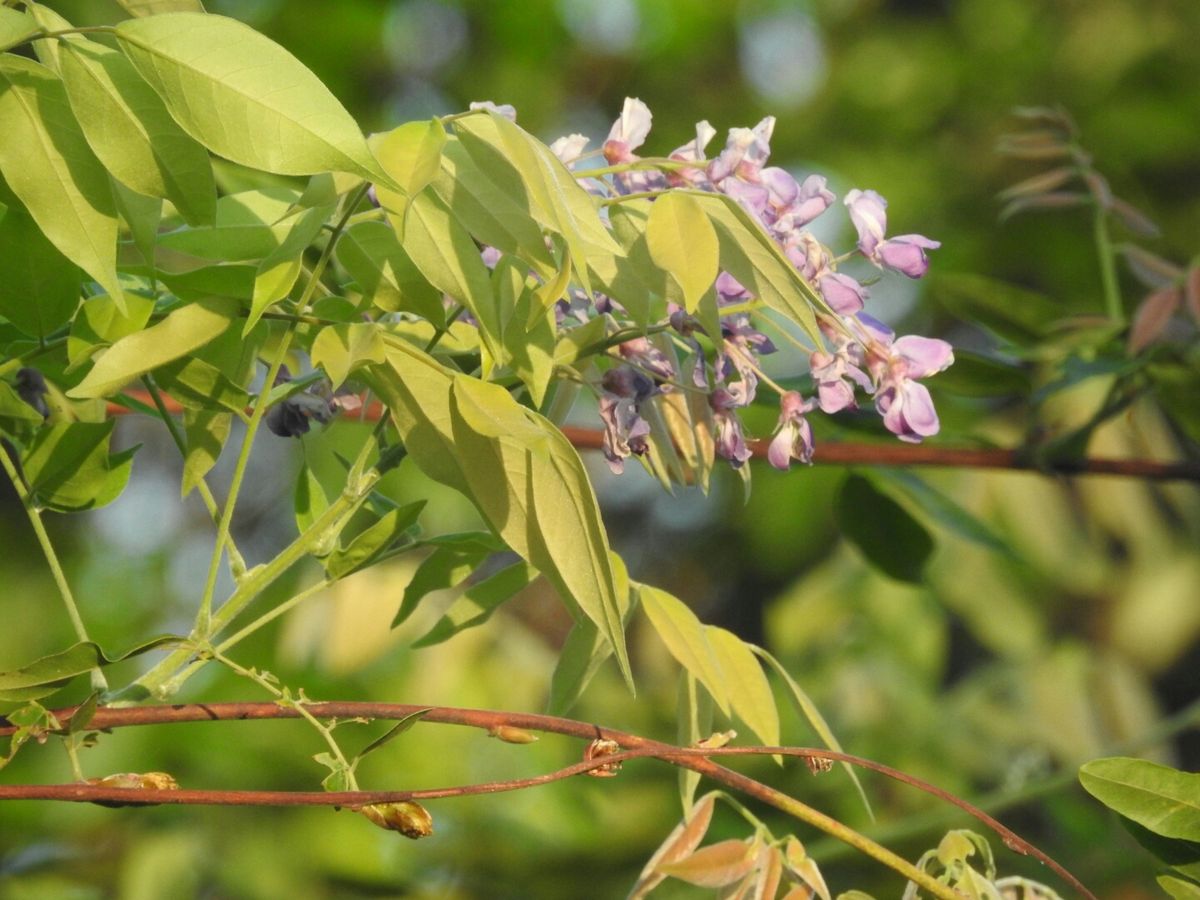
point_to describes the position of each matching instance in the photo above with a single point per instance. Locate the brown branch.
(850, 454)
(635, 746)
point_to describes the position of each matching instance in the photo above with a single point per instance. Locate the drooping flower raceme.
(859, 355)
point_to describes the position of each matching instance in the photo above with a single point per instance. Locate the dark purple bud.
(31, 387)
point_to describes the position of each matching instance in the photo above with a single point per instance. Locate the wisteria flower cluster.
(861, 354)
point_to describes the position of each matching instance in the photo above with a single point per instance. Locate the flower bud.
(408, 817)
(511, 735)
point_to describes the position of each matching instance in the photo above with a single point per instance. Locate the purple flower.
(833, 374)
(905, 405)
(844, 295)
(793, 205)
(904, 254)
(693, 150)
(745, 153)
(648, 358)
(793, 435)
(730, 441)
(627, 134)
(807, 254)
(625, 431)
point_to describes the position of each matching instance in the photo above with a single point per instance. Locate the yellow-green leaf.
(685, 637)
(130, 130)
(50, 167)
(245, 97)
(749, 691)
(682, 242)
(15, 27)
(339, 349)
(184, 330)
(412, 155)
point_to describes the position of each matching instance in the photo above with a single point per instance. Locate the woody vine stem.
(632, 747)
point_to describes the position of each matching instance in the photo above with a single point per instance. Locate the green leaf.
(489, 212)
(206, 433)
(401, 726)
(805, 706)
(582, 654)
(50, 167)
(140, 216)
(46, 675)
(748, 689)
(157, 7)
(477, 603)
(682, 241)
(447, 256)
(249, 225)
(372, 543)
(277, 273)
(340, 349)
(694, 721)
(1182, 856)
(39, 287)
(412, 155)
(14, 409)
(184, 330)
(69, 468)
(308, 499)
(891, 539)
(524, 165)
(100, 323)
(131, 132)
(386, 275)
(200, 385)
(454, 558)
(244, 97)
(1163, 800)
(522, 473)
(754, 259)
(1178, 888)
(15, 27)
(684, 635)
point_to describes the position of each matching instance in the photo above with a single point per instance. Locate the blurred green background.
(994, 679)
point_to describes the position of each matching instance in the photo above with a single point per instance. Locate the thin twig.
(855, 454)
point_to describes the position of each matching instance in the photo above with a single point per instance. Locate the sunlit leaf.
(1163, 800)
(412, 155)
(205, 432)
(245, 97)
(201, 385)
(15, 27)
(386, 275)
(454, 557)
(684, 635)
(69, 468)
(340, 349)
(682, 241)
(157, 7)
(401, 726)
(277, 273)
(132, 133)
(748, 689)
(184, 330)
(48, 164)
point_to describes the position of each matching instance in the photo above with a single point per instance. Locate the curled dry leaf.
(1035, 145)
(683, 839)
(134, 781)
(1098, 185)
(408, 817)
(818, 764)
(714, 866)
(1151, 318)
(598, 748)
